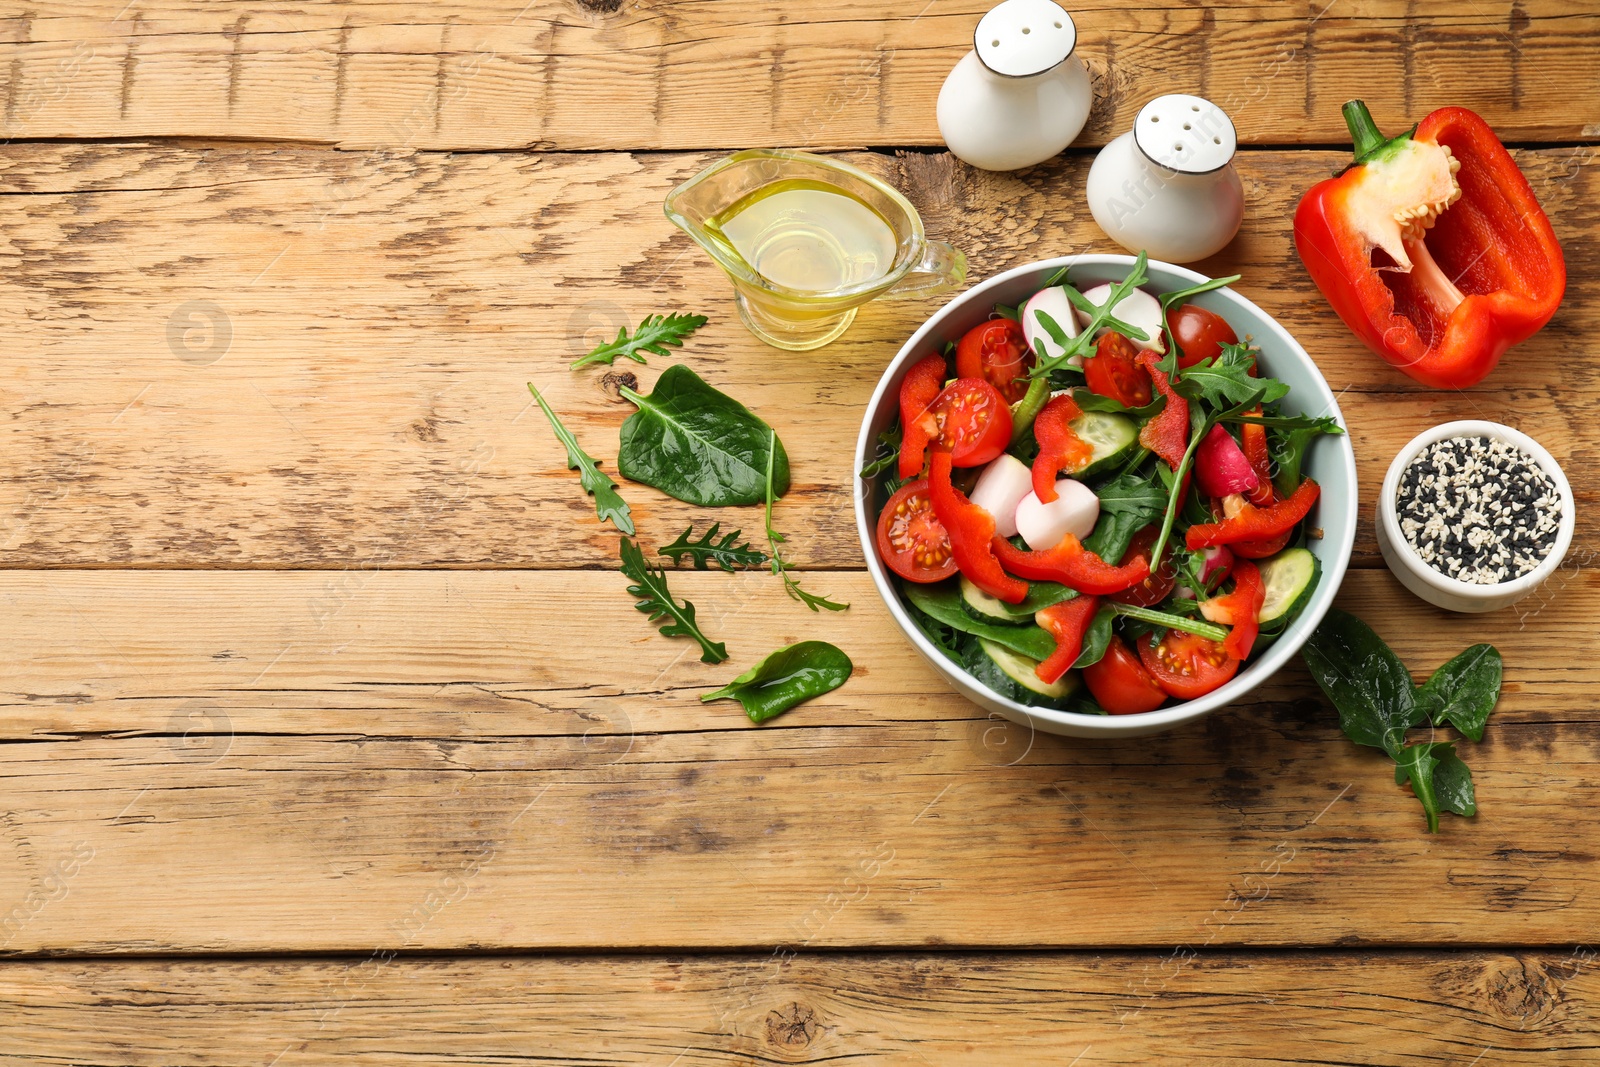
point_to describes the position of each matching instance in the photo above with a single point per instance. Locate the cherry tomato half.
(998, 352)
(911, 539)
(1154, 589)
(1121, 684)
(1186, 665)
(1114, 372)
(974, 421)
(1200, 334)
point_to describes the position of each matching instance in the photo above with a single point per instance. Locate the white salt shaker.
(1168, 185)
(1020, 96)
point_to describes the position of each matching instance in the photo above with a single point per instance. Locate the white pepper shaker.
(1168, 185)
(1021, 95)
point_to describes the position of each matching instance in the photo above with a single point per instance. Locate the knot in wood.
(792, 1027)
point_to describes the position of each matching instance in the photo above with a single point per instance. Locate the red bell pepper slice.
(1067, 622)
(1166, 433)
(918, 426)
(1059, 447)
(1466, 262)
(1073, 566)
(1240, 609)
(1253, 436)
(1252, 524)
(971, 531)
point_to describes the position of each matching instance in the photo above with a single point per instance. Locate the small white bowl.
(1440, 589)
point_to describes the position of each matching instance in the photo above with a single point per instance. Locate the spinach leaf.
(1089, 400)
(1452, 781)
(1416, 764)
(725, 553)
(1367, 683)
(784, 678)
(699, 445)
(945, 638)
(1128, 503)
(1224, 380)
(1438, 778)
(608, 503)
(942, 603)
(656, 601)
(1096, 639)
(1463, 691)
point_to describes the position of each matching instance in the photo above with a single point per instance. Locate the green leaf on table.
(653, 333)
(1452, 783)
(790, 675)
(699, 445)
(1463, 692)
(657, 601)
(1438, 778)
(726, 553)
(1224, 380)
(608, 503)
(1366, 682)
(781, 567)
(1415, 764)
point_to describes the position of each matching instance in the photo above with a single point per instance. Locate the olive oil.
(808, 236)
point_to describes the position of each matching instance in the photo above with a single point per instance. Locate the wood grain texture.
(504, 760)
(302, 358)
(603, 74)
(961, 1010)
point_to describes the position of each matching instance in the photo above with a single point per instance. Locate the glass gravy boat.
(805, 283)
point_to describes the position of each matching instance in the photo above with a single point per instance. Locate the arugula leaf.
(1007, 311)
(1169, 358)
(1366, 681)
(654, 332)
(888, 452)
(1463, 691)
(1097, 638)
(1224, 380)
(1099, 317)
(700, 445)
(779, 567)
(1288, 454)
(608, 503)
(1208, 630)
(726, 553)
(787, 677)
(656, 601)
(1128, 503)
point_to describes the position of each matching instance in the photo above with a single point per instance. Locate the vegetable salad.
(1093, 501)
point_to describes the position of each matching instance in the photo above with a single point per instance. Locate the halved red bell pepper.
(1166, 433)
(971, 531)
(1251, 523)
(1240, 609)
(918, 427)
(1072, 565)
(1067, 622)
(1059, 447)
(1432, 247)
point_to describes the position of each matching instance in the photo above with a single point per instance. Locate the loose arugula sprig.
(653, 333)
(726, 553)
(608, 503)
(774, 539)
(656, 601)
(1378, 703)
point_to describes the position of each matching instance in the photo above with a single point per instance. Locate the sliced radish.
(1074, 511)
(1054, 303)
(1221, 467)
(1216, 566)
(1138, 308)
(1000, 488)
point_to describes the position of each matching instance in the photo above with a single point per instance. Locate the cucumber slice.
(1011, 675)
(1289, 577)
(987, 608)
(1112, 436)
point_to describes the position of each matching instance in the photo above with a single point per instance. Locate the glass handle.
(942, 267)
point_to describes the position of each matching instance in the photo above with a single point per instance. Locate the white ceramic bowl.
(1329, 460)
(1439, 589)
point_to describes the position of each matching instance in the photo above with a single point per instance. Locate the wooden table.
(332, 733)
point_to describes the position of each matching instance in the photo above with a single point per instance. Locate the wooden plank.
(955, 1009)
(660, 74)
(245, 775)
(360, 399)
